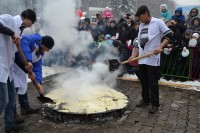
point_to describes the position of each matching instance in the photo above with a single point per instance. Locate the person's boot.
(153, 110)
(142, 104)
(15, 129)
(18, 119)
(29, 111)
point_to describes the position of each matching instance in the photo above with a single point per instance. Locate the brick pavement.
(179, 112)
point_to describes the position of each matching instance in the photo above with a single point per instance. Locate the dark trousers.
(23, 101)
(149, 76)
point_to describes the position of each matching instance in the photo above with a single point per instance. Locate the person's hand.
(169, 45)
(40, 88)
(157, 50)
(173, 22)
(170, 49)
(131, 57)
(29, 67)
(15, 39)
(184, 48)
(31, 76)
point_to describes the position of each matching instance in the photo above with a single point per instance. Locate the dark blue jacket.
(29, 44)
(180, 19)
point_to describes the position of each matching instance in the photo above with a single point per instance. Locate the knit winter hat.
(48, 41)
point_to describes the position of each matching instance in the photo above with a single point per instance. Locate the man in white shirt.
(7, 56)
(151, 31)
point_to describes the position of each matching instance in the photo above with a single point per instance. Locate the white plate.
(117, 36)
(185, 53)
(166, 51)
(192, 43)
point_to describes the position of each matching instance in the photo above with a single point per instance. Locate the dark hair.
(29, 14)
(48, 41)
(87, 20)
(117, 43)
(113, 21)
(196, 9)
(136, 23)
(128, 16)
(142, 10)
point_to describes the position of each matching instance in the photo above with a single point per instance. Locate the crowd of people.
(185, 45)
(173, 39)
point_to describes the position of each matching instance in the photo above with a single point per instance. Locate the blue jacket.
(180, 19)
(167, 14)
(29, 44)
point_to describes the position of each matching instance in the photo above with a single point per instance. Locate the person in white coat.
(7, 57)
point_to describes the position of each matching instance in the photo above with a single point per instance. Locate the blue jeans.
(3, 96)
(7, 102)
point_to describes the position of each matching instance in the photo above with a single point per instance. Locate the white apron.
(20, 77)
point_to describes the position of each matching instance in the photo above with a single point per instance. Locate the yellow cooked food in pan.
(99, 100)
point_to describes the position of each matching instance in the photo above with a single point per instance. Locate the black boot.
(29, 111)
(153, 110)
(142, 104)
(18, 119)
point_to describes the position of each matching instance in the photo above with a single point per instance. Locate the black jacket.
(5, 30)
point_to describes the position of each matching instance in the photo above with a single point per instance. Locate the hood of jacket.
(192, 20)
(179, 9)
(164, 5)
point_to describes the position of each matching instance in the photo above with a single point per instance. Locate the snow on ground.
(48, 71)
(190, 83)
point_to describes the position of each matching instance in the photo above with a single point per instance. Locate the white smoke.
(80, 83)
(60, 21)
(9, 7)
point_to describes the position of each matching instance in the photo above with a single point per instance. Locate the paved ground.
(179, 113)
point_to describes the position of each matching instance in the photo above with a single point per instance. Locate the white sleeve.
(163, 27)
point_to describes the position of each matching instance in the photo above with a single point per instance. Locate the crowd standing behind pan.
(179, 60)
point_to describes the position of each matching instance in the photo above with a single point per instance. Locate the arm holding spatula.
(31, 52)
(135, 52)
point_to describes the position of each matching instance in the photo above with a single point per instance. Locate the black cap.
(48, 41)
(128, 16)
(141, 10)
